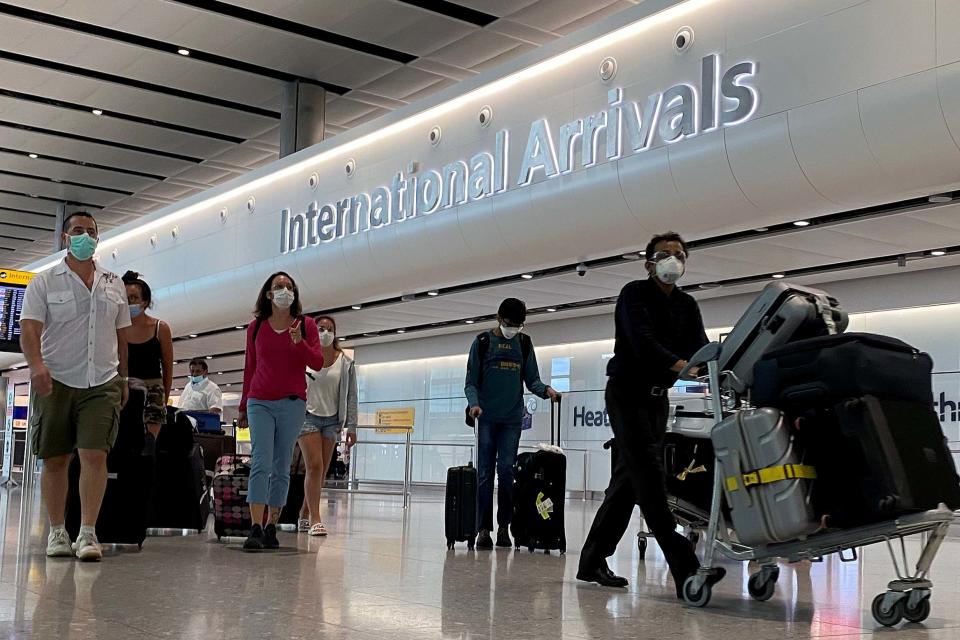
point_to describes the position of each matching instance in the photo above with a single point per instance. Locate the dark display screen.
(11, 303)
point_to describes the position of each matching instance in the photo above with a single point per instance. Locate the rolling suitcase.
(290, 513)
(231, 513)
(879, 459)
(214, 447)
(767, 482)
(180, 496)
(781, 313)
(460, 511)
(539, 494)
(830, 369)
(130, 480)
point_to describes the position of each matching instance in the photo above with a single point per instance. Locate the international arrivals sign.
(723, 98)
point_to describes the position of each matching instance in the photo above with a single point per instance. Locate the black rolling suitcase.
(290, 513)
(181, 498)
(539, 494)
(878, 459)
(130, 479)
(828, 369)
(460, 511)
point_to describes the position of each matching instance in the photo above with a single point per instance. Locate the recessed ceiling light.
(631, 256)
(56, 179)
(938, 253)
(97, 112)
(219, 373)
(341, 339)
(176, 362)
(802, 223)
(777, 276)
(229, 384)
(433, 293)
(469, 321)
(209, 357)
(551, 309)
(710, 285)
(239, 327)
(941, 198)
(762, 229)
(193, 335)
(401, 330)
(34, 156)
(356, 307)
(527, 276)
(183, 52)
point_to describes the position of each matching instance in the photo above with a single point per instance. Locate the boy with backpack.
(501, 361)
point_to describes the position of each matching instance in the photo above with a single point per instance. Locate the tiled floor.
(383, 575)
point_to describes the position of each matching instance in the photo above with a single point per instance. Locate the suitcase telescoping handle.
(555, 411)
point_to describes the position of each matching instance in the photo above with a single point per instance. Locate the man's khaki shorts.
(72, 418)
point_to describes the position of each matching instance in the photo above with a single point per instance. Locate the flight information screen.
(11, 303)
(13, 286)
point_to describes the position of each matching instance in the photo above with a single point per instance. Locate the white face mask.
(283, 298)
(509, 332)
(326, 338)
(669, 270)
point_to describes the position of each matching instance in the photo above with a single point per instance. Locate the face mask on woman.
(135, 310)
(326, 338)
(283, 298)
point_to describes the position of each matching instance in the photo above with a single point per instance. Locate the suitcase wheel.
(471, 543)
(140, 546)
(892, 617)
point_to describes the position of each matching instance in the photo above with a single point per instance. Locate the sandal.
(318, 530)
(303, 525)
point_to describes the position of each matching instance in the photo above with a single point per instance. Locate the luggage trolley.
(729, 369)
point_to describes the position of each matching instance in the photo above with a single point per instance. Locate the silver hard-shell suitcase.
(780, 314)
(766, 482)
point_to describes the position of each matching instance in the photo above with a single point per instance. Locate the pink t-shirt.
(276, 367)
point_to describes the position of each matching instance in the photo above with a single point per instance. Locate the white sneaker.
(58, 544)
(303, 525)
(87, 547)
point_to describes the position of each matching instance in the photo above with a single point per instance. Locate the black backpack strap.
(526, 345)
(483, 345)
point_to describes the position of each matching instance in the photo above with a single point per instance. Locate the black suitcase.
(460, 511)
(828, 369)
(214, 447)
(130, 480)
(181, 498)
(290, 513)
(539, 494)
(878, 459)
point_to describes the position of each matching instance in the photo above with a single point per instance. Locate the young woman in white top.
(331, 408)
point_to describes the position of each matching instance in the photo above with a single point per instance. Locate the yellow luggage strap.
(769, 475)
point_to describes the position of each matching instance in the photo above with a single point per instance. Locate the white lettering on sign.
(682, 111)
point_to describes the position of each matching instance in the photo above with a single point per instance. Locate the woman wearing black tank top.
(150, 353)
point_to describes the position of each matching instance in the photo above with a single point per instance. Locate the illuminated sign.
(623, 127)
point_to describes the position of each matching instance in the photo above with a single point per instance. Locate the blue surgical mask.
(82, 247)
(196, 379)
(135, 310)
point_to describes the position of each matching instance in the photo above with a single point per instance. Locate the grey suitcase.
(781, 313)
(765, 481)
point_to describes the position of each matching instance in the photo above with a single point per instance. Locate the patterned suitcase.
(231, 513)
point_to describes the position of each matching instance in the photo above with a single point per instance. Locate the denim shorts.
(326, 427)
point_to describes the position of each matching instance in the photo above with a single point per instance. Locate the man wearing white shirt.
(73, 336)
(200, 393)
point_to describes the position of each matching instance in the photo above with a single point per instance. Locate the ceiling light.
(433, 293)
(527, 276)
(209, 357)
(193, 335)
(183, 52)
(175, 362)
(802, 223)
(941, 198)
(239, 327)
(229, 384)
(219, 373)
(631, 256)
(341, 339)
(97, 112)
(56, 179)
(778, 276)
(469, 321)
(762, 229)
(710, 285)
(356, 307)
(401, 330)
(551, 309)
(34, 156)
(938, 252)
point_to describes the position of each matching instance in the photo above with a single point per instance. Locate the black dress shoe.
(602, 576)
(503, 537)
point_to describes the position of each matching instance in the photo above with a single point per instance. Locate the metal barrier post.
(407, 470)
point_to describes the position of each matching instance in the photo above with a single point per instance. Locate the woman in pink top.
(281, 344)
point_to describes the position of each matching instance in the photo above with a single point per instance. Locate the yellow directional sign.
(398, 420)
(11, 276)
